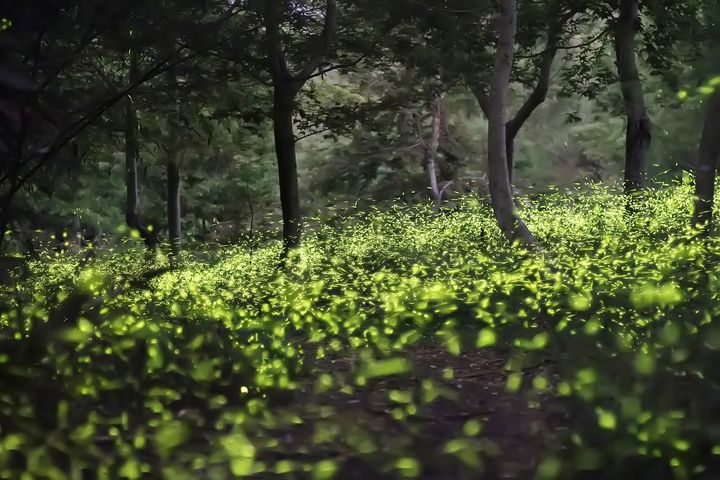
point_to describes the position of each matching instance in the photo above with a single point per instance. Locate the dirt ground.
(515, 426)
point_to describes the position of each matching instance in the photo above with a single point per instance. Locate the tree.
(557, 20)
(286, 86)
(708, 156)
(501, 195)
(438, 123)
(638, 130)
(132, 150)
(172, 164)
(47, 59)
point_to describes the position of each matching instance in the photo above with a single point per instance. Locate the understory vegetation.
(359, 239)
(592, 356)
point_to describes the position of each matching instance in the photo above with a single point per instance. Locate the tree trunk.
(638, 130)
(132, 205)
(286, 86)
(173, 174)
(534, 100)
(431, 149)
(287, 162)
(510, 135)
(173, 205)
(501, 195)
(4, 222)
(709, 153)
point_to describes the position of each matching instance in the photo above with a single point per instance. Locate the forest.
(359, 239)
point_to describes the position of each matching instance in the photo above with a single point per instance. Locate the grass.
(393, 344)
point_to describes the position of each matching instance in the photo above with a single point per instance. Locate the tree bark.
(431, 149)
(501, 195)
(285, 89)
(4, 222)
(510, 135)
(709, 153)
(537, 96)
(638, 130)
(173, 174)
(287, 163)
(173, 205)
(534, 100)
(132, 204)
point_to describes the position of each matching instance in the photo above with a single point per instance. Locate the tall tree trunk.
(173, 173)
(501, 195)
(536, 97)
(638, 130)
(287, 162)
(132, 204)
(431, 148)
(173, 204)
(286, 86)
(708, 156)
(510, 135)
(4, 222)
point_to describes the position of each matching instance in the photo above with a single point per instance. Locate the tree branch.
(278, 65)
(539, 93)
(80, 125)
(323, 48)
(312, 134)
(330, 67)
(480, 94)
(594, 39)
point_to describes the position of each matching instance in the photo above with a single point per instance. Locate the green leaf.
(549, 469)
(242, 467)
(385, 368)
(408, 467)
(130, 469)
(465, 450)
(486, 338)
(325, 470)
(514, 382)
(472, 428)
(606, 419)
(670, 334)
(204, 371)
(706, 90)
(452, 341)
(238, 445)
(580, 302)
(171, 435)
(644, 364)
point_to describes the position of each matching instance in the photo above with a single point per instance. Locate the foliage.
(197, 371)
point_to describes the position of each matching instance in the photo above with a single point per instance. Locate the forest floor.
(514, 429)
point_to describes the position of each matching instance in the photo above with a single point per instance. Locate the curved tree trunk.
(708, 156)
(638, 131)
(132, 205)
(431, 149)
(501, 195)
(536, 97)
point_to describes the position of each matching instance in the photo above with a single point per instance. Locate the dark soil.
(516, 426)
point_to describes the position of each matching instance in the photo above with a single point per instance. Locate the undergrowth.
(202, 371)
